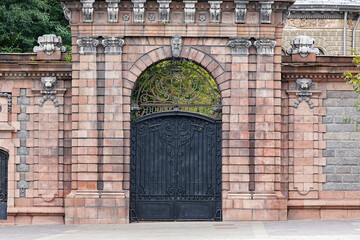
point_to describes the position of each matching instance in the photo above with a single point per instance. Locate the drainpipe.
(345, 22)
(354, 34)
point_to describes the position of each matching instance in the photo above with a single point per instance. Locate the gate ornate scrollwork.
(176, 85)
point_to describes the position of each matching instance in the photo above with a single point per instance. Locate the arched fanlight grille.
(176, 85)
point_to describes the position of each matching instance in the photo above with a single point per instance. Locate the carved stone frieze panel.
(88, 10)
(190, 11)
(265, 12)
(138, 11)
(164, 11)
(215, 11)
(113, 10)
(240, 11)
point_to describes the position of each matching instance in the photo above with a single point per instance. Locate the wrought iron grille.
(176, 85)
(4, 157)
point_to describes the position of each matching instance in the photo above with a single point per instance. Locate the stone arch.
(323, 45)
(215, 69)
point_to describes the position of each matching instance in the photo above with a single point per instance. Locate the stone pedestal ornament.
(265, 12)
(113, 45)
(265, 46)
(303, 45)
(239, 46)
(113, 10)
(87, 45)
(215, 11)
(88, 10)
(138, 11)
(49, 43)
(67, 12)
(240, 11)
(176, 46)
(164, 11)
(189, 11)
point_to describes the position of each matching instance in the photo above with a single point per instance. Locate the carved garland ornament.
(48, 84)
(303, 85)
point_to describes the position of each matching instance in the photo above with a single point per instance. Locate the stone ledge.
(321, 204)
(36, 211)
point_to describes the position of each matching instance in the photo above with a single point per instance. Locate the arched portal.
(4, 158)
(175, 144)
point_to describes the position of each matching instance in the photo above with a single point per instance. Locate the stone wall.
(34, 130)
(342, 142)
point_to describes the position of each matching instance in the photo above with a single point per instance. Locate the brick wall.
(342, 142)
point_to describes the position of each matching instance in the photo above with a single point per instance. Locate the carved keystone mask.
(176, 46)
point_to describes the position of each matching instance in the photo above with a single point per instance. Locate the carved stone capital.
(138, 11)
(215, 11)
(240, 11)
(164, 11)
(303, 45)
(265, 46)
(87, 45)
(49, 43)
(239, 46)
(176, 46)
(67, 12)
(113, 10)
(190, 10)
(88, 10)
(265, 12)
(113, 45)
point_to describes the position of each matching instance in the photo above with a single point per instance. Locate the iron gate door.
(175, 167)
(4, 157)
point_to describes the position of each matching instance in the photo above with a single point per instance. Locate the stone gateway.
(178, 110)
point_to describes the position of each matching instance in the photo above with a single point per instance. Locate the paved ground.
(287, 230)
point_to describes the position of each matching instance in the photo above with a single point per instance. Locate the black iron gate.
(4, 157)
(175, 167)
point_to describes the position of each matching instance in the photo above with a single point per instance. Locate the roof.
(328, 2)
